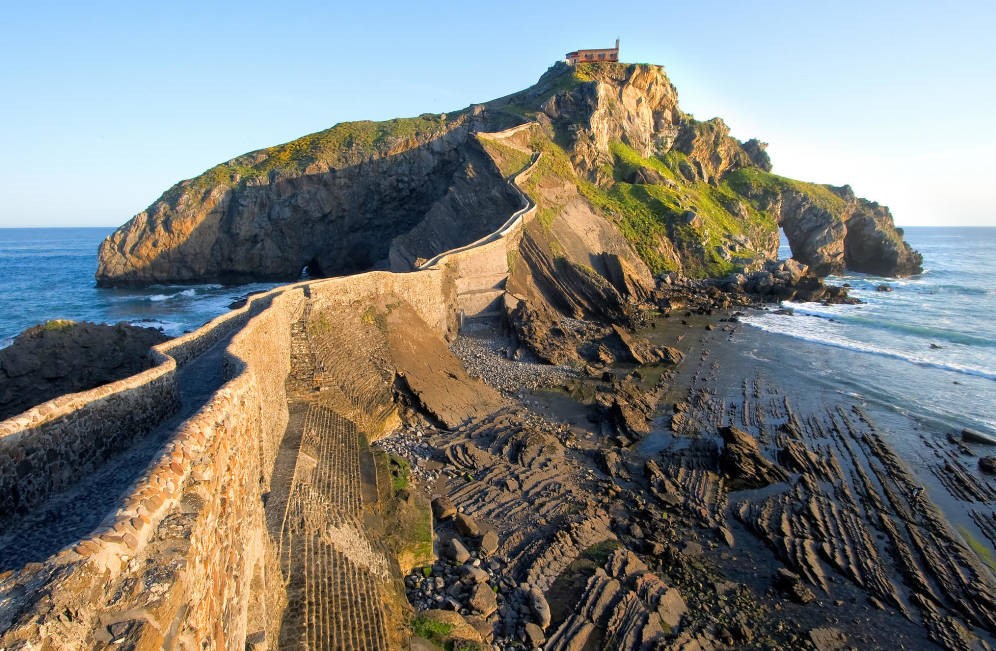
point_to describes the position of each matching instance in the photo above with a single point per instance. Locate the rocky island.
(523, 422)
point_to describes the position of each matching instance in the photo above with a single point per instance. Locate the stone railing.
(54, 444)
(51, 446)
(192, 527)
(480, 269)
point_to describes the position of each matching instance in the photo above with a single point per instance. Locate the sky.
(104, 105)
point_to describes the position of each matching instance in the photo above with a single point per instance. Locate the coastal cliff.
(686, 195)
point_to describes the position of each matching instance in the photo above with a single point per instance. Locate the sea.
(926, 348)
(923, 347)
(48, 273)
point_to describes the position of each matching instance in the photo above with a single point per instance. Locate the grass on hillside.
(343, 144)
(654, 217)
(509, 160)
(762, 187)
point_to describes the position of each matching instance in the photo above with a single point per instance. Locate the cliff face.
(696, 200)
(683, 193)
(333, 202)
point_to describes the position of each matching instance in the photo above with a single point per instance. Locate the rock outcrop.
(348, 199)
(680, 194)
(855, 234)
(61, 357)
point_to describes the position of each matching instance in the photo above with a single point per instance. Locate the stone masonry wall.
(429, 292)
(187, 560)
(52, 445)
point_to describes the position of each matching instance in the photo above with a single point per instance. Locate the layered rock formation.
(330, 203)
(674, 193)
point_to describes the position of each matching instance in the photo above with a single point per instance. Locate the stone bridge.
(221, 498)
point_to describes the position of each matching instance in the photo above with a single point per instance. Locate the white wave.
(171, 328)
(804, 329)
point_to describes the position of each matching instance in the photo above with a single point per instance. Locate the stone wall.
(430, 292)
(187, 560)
(52, 445)
(191, 531)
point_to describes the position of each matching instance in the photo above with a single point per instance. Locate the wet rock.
(972, 436)
(988, 465)
(744, 464)
(641, 351)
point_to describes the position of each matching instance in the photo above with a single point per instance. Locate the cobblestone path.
(334, 576)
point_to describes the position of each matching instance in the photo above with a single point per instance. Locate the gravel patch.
(411, 444)
(485, 354)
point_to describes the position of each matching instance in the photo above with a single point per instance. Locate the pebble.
(484, 353)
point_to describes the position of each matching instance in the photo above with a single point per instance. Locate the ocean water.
(47, 273)
(926, 349)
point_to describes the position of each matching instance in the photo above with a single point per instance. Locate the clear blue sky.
(105, 105)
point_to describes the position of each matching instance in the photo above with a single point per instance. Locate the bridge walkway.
(69, 515)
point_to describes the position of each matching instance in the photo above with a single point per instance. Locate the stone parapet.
(186, 560)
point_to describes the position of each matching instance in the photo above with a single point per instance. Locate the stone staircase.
(334, 576)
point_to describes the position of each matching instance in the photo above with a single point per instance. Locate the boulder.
(470, 575)
(466, 525)
(489, 543)
(482, 599)
(442, 508)
(539, 607)
(457, 552)
(826, 638)
(973, 436)
(671, 607)
(641, 351)
(533, 635)
(988, 465)
(460, 629)
(743, 463)
(791, 584)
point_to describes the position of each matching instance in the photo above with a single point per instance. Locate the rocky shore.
(748, 511)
